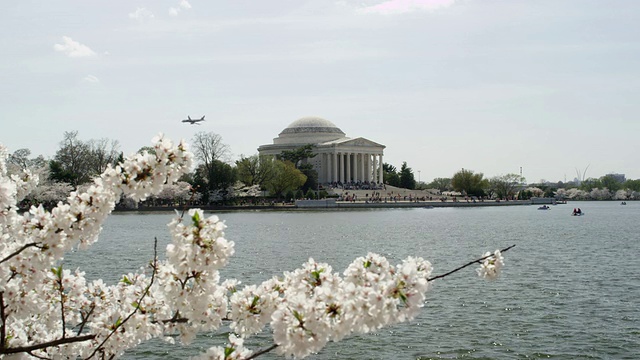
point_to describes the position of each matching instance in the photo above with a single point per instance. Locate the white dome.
(311, 124)
(309, 130)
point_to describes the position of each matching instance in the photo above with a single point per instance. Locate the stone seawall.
(332, 203)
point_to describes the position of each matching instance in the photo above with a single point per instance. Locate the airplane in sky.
(193, 121)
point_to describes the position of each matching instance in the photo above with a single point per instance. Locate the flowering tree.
(179, 192)
(52, 193)
(50, 312)
(537, 192)
(600, 194)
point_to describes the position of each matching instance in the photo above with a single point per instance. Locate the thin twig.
(256, 354)
(61, 289)
(144, 293)
(3, 328)
(85, 319)
(17, 252)
(189, 202)
(37, 356)
(467, 264)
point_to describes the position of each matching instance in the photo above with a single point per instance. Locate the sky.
(550, 88)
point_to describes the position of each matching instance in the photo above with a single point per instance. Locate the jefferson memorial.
(339, 159)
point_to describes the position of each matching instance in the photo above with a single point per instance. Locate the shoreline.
(332, 205)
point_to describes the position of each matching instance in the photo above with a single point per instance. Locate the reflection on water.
(569, 289)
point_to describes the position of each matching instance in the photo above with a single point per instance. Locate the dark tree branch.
(61, 290)
(261, 352)
(27, 349)
(85, 318)
(479, 261)
(17, 252)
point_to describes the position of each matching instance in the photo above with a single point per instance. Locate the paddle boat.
(544, 207)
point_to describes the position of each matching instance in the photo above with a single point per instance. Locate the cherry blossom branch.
(17, 252)
(466, 265)
(144, 294)
(44, 345)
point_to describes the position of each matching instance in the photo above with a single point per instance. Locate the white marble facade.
(339, 159)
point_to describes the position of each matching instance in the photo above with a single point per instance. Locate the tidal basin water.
(570, 288)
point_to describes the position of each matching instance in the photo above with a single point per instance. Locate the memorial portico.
(339, 159)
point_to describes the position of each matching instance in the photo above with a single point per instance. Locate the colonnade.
(348, 166)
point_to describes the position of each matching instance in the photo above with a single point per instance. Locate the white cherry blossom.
(63, 315)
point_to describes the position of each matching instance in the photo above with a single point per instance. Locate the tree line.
(287, 176)
(513, 186)
(215, 178)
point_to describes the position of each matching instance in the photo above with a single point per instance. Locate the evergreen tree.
(407, 179)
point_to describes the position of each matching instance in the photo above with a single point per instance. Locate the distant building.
(619, 177)
(339, 158)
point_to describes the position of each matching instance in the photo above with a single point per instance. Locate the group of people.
(358, 185)
(577, 211)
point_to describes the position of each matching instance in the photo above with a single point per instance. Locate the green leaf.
(315, 275)
(403, 297)
(126, 280)
(228, 351)
(196, 219)
(367, 264)
(57, 272)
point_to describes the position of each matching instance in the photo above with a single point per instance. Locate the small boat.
(577, 214)
(544, 207)
(623, 203)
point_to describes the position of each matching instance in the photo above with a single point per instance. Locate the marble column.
(341, 166)
(355, 167)
(381, 173)
(348, 167)
(362, 164)
(334, 167)
(374, 168)
(367, 167)
(326, 172)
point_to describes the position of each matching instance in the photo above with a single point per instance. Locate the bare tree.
(71, 162)
(213, 173)
(103, 152)
(77, 161)
(20, 158)
(208, 147)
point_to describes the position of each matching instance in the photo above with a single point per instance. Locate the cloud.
(141, 14)
(73, 48)
(91, 79)
(183, 4)
(403, 6)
